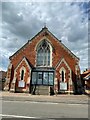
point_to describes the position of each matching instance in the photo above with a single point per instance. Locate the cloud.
(67, 21)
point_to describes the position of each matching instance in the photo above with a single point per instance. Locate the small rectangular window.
(34, 74)
(45, 78)
(51, 78)
(39, 80)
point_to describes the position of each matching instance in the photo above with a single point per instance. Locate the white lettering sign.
(21, 83)
(63, 86)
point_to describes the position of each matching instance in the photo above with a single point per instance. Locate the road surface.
(27, 109)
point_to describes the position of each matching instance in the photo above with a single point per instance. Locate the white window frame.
(24, 69)
(36, 48)
(63, 69)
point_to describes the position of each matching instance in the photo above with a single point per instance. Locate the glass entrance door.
(42, 78)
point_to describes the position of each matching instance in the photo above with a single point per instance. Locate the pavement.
(61, 98)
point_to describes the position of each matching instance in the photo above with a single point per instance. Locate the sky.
(68, 21)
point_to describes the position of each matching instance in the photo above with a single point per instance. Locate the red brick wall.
(26, 75)
(58, 53)
(67, 71)
(30, 53)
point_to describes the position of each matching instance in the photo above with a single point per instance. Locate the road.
(27, 109)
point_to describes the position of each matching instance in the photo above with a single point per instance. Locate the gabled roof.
(46, 32)
(27, 62)
(87, 77)
(86, 72)
(60, 61)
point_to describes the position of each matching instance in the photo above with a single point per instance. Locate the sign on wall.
(21, 83)
(63, 86)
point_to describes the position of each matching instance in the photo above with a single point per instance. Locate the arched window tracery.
(43, 54)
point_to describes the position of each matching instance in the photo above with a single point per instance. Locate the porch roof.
(43, 69)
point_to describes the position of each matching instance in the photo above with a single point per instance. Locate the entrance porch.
(42, 81)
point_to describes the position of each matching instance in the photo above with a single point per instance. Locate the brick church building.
(44, 65)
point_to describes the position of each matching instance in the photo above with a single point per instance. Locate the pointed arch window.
(22, 75)
(43, 54)
(62, 76)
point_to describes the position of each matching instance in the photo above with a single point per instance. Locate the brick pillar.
(12, 89)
